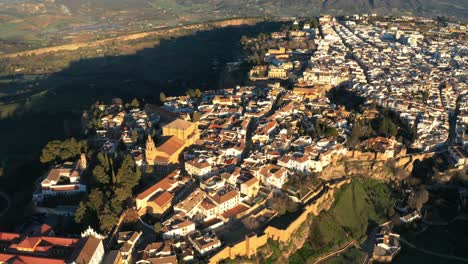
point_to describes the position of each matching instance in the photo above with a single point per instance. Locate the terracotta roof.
(235, 211)
(45, 229)
(154, 246)
(251, 182)
(86, 251)
(198, 163)
(269, 126)
(182, 224)
(207, 204)
(219, 199)
(272, 170)
(170, 146)
(8, 236)
(179, 124)
(303, 90)
(5, 257)
(29, 243)
(163, 185)
(164, 260)
(192, 200)
(64, 187)
(201, 242)
(60, 241)
(162, 199)
(19, 259)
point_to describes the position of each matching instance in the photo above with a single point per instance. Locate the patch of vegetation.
(274, 248)
(111, 188)
(282, 204)
(341, 96)
(58, 151)
(359, 205)
(352, 255)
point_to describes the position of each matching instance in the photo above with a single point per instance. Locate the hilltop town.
(219, 175)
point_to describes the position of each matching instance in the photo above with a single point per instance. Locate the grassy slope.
(357, 205)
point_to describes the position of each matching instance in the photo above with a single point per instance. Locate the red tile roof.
(163, 185)
(29, 243)
(8, 236)
(163, 199)
(170, 146)
(45, 229)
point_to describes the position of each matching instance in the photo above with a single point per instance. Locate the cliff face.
(373, 166)
(381, 170)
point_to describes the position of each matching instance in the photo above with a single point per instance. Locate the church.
(176, 136)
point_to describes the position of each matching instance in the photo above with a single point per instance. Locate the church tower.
(150, 151)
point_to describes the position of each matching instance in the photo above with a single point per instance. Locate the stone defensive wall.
(249, 246)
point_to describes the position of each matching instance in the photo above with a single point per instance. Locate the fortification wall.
(249, 246)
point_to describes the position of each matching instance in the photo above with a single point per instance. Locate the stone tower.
(150, 152)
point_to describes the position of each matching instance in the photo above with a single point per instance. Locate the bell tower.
(150, 152)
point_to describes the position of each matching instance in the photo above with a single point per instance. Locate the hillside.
(26, 24)
(361, 205)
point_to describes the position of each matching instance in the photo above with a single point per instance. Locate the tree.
(107, 220)
(162, 97)
(355, 136)
(101, 172)
(131, 216)
(419, 198)
(128, 175)
(387, 127)
(81, 212)
(157, 227)
(251, 223)
(135, 103)
(135, 136)
(198, 93)
(190, 93)
(244, 39)
(195, 116)
(96, 200)
(331, 132)
(58, 151)
(282, 204)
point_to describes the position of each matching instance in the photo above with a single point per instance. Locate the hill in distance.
(28, 24)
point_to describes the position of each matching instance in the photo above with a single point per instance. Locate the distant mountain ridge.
(454, 8)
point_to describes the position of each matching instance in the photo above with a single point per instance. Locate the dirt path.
(336, 252)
